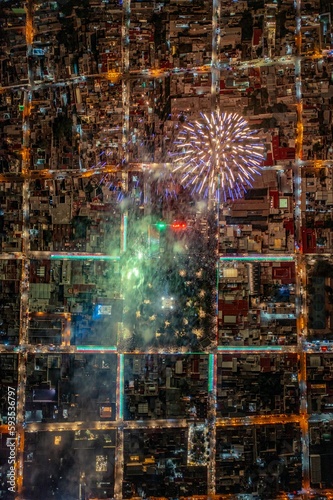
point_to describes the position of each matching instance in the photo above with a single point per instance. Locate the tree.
(80, 225)
(62, 127)
(269, 123)
(246, 23)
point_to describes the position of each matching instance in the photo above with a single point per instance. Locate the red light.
(323, 348)
(178, 225)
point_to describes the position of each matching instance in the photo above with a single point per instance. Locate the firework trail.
(218, 155)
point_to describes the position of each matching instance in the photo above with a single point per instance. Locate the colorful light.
(161, 226)
(253, 348)
(93, 348)
(211, 372)
(82, 256)
(178, 225)
(125, 227)
(259, 258)
(121, 386)
(218, 156)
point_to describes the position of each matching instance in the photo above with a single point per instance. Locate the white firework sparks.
(218, 155)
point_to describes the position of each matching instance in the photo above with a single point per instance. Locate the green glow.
(95, 348)
(268, 348)
(121, 385)
(161, 226)
(211, 372)
(68, 256)
(125, 233)
(262, 258)
(133, 272)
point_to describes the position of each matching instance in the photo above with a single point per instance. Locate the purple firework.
(218, 155)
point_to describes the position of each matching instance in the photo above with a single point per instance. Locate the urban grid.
(166, 268)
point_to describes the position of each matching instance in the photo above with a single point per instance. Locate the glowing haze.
(218, 155)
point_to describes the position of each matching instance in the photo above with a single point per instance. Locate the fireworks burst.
(218, 156)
